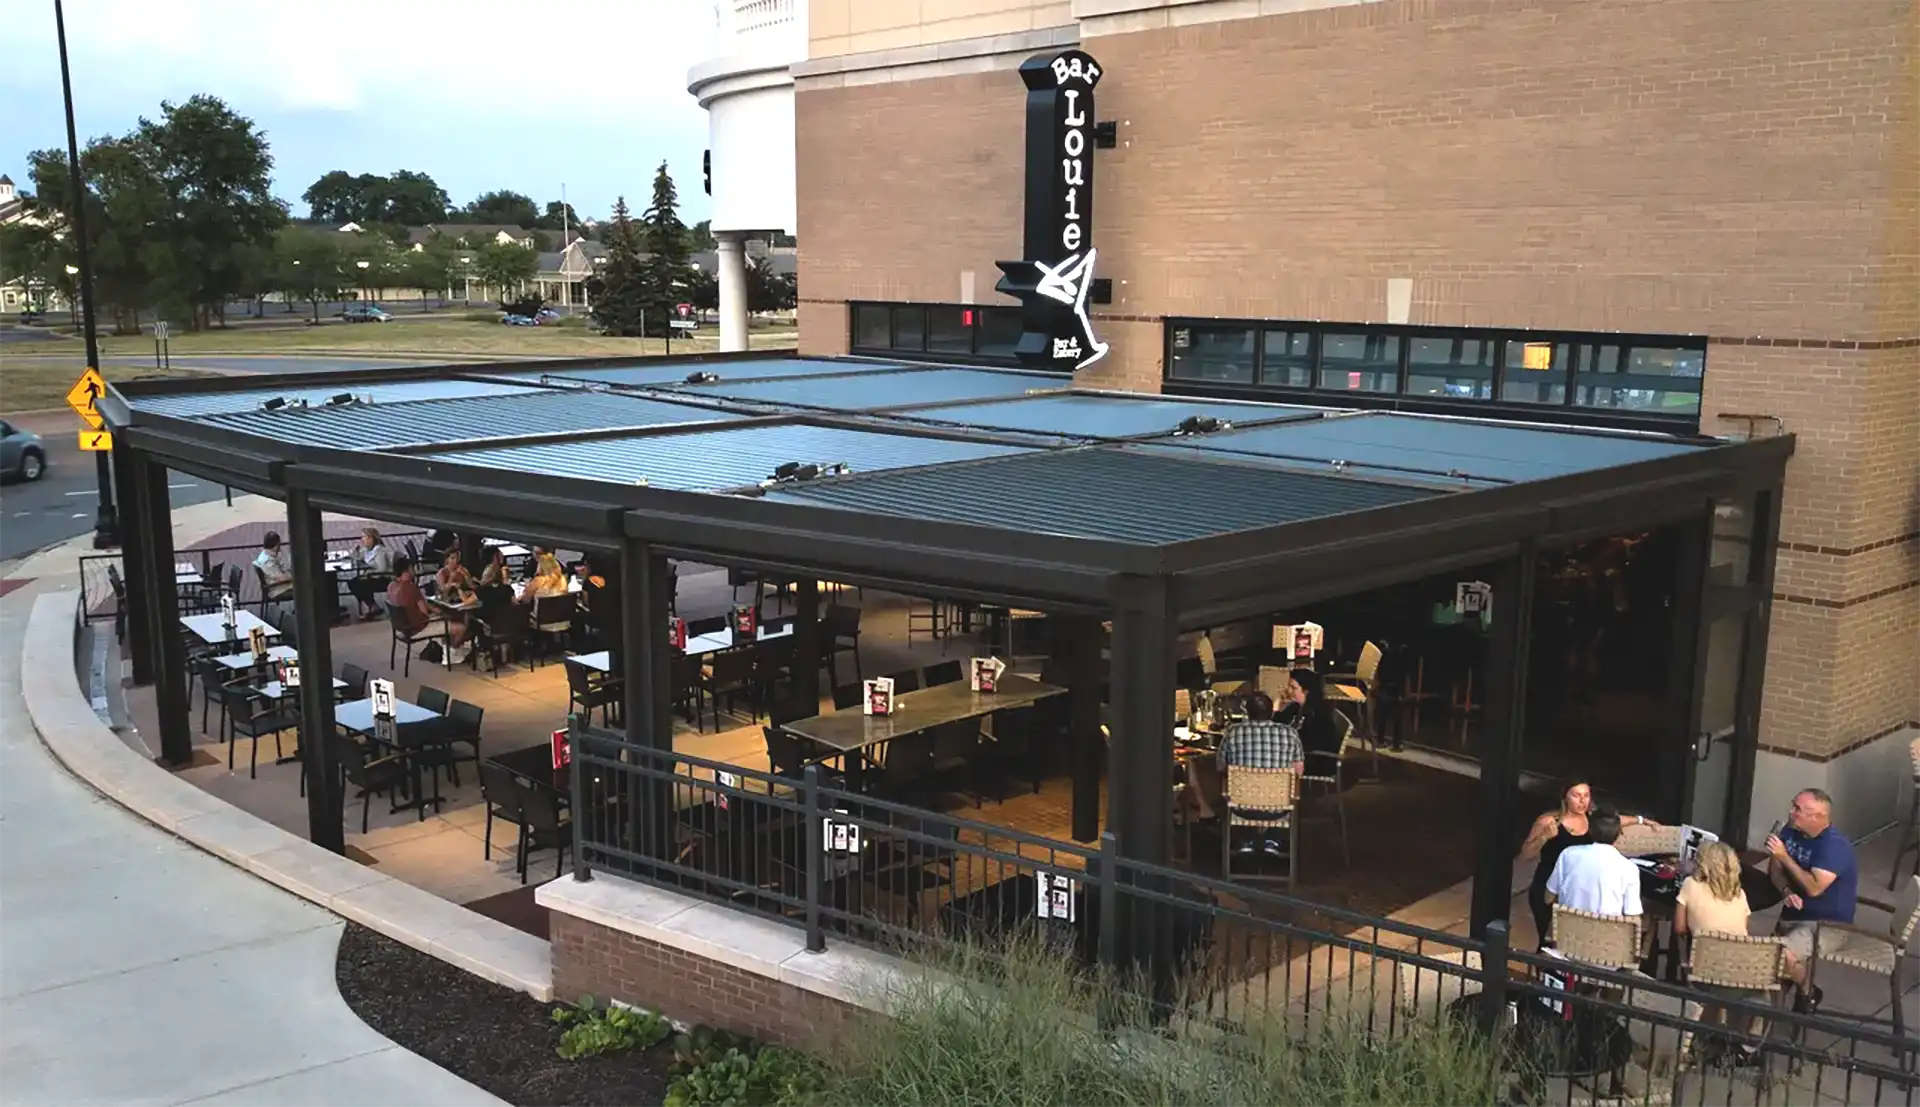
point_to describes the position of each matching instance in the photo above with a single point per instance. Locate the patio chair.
(698, 627)
(1426, 991)
(507, 627)
(955, 747)
(435, 630)
(1353, 692)
(289, 628)
(684, 672)
(847, 697)
(786, 755)
(372, 774)
(588, 689)
(906, 680)
(1639, 840)
(356, 678)
(840, 633)
(1013, 752)
(790, 708)
(730, 674)
(946, 672)
(932, 618)
(1327, 774)
(1889, 953)
(552, 621)
(433, 699)
(907, 770)
(267, 600)
(1730, 965)
(544, 825)
(248, 716)
(500, 791)
(1603, 941)
(1263, 800)
(1909, 838)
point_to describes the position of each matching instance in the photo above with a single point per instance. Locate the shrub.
(712, 1067)
(592, 1030)
(1022, 1027)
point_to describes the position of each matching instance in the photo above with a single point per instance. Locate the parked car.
(546, 315)
(22, 454)
(366, 314)
(513, 320)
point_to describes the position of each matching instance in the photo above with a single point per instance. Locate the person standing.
(1813, 866)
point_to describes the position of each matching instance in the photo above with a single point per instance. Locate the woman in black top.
(1552, 835)
(1311, 715)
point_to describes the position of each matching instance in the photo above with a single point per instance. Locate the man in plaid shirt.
(1261, 741)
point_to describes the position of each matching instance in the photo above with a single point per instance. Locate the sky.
(478, 94)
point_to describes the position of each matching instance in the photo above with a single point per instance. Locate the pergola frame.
(1150, 593)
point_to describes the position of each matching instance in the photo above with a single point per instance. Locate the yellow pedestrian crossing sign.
(96, 441)
(84, 394)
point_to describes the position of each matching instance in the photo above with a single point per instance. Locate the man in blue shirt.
(1813, 866)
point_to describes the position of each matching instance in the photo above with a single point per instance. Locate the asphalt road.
(63, 503)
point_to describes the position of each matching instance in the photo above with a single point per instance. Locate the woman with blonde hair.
(1711, 900)
(549, 579)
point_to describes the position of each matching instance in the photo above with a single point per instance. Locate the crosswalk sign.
(95, 441)
(85, 393)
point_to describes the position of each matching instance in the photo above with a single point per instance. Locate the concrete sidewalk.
(136, 969)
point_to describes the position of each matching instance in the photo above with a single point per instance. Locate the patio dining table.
(601, 661)
(246, 660)
(851, 730)
(356, 717)
(212, 631)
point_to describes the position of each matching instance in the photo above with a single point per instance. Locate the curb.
(63, 717)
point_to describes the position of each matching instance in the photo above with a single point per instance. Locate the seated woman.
(453, 578)
(1552, 835)
(496, 582)
(1308, 712)
(549, 579)
(375, 565)
(1713, 902)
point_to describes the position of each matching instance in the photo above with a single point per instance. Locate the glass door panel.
(1720, 735)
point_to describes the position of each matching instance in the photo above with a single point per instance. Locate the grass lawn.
(27, 384)
(451, 336)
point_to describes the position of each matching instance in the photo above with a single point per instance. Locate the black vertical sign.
(1054, 279)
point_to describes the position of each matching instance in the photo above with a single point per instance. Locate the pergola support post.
(806, 641)
(163, 607)
(137, 609)
(1506, 715)
(646, 591)
(1078, 639)
(311, 610)
(1140, 756)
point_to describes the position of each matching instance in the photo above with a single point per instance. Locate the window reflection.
(1454, 368)
(1213, 354)
(1535, 372)
(1360, 362)
(872, 327)
(1641, 378)
(1286, 358)
(909, 329)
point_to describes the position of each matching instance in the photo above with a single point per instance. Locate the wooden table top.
(917, 711)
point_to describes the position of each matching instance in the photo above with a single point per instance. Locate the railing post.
(1109, 925)
(582, 872)
(1493, 976)
(816, 836)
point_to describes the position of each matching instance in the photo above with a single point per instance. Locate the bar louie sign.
(1055, 277)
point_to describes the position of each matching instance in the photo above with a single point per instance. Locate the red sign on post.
(677, 634)
(562, 750)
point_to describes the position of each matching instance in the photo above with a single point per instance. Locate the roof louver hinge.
(794, 472)
(1201, 424)
(702, 377)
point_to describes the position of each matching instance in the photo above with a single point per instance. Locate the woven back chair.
(1425, 991)
(1264, 800)
(1638, 840)
(1609, 941)
(1182, 704)
(1882, 952)
(1731, 963)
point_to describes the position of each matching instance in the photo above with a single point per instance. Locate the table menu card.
(879, 699)
(984, 673)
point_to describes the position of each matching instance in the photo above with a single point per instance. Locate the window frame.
(1567, 410)
(926, 308)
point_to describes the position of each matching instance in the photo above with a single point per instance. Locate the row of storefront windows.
(1644, 376)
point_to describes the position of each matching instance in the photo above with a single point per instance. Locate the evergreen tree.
(617, 290)
(667, 273)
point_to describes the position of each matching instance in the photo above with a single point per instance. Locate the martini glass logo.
(1068, 283)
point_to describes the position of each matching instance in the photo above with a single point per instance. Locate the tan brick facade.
(608, 964)
(1745, 171)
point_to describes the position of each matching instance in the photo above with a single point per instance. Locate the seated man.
(1813, 866)
(276, 574)
(409, 605)
(1597, 878)
(1262, 742)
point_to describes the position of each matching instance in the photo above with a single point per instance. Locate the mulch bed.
(499, 1039)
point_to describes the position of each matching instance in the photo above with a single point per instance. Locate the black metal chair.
(697, 627)
(588, 689)
(552, 620)
(356, 678)
(433, 699)
(545, 826)
(840, 633)
(945, 672)
(500, 790)
(1013, 753)
(687, 686)
(730, 674)
(435, 630)
(371, 774)
(248, 716)
(791, 708)
(906, 680)
(908, 768)
(462, 728)
(786, 754)
(505, 627)
(955, 745)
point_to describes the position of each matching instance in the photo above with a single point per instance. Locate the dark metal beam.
(806, 645)
(137, 608)
(163, 602)
(1140, 753)
(312, 609)
(1077, 644)
(1503, 738)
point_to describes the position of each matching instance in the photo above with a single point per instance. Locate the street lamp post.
(466, 269)
(105, 524)
(364, 264)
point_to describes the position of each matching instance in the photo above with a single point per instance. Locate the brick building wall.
(608, 964)
(1748, 172)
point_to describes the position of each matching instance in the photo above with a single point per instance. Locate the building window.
(1458, 367)
(1360, 362)
(1225, 355)
(957, 332)
(1535, 372)
(1608, 379)
(1286, 358)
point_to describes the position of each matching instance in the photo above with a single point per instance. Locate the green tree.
(700, 238)
(559, 216)
(335, 198)
(404, 198)
(432, 268)
(768, 290)
(667, 273)
(307, 264)
(704, 292)
(37, 256)
(502, 206)
(505, 267)
(616, 290)
(411, 199)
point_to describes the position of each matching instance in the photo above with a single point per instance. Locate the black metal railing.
(101, 599)
(843, 865)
